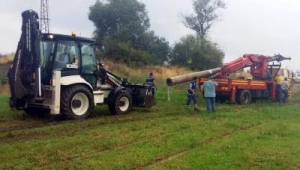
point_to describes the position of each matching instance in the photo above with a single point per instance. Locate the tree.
(126, 53)
(122, 30)
(206, 15)
(157, 47)
(196, 53)
(119, 19)
(181, 51)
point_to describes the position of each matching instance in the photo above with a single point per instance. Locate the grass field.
(263, 135)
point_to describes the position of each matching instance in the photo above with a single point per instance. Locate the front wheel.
(122, 103)
(76, 102)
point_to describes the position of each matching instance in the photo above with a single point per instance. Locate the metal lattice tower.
(44, 17)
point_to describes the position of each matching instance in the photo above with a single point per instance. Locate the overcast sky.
(263, 27)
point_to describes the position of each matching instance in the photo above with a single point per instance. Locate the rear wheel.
(244, 97)
(76, 102)
(122, 103)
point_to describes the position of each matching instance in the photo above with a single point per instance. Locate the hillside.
(6, 59)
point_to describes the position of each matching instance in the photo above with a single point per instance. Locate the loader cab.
(70, 54)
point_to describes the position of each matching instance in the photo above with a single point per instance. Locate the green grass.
(263, 135)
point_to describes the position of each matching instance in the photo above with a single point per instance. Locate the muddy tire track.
(159, 160)
(104, 150)
(182, 152)
(14, 125)
(13, 133)
(17, 125)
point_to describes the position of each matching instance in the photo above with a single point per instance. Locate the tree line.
(123, 35)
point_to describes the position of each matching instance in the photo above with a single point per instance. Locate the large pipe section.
(188, 77)
(278, 58)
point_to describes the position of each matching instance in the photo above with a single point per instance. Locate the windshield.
(88, 58)
(67, 52)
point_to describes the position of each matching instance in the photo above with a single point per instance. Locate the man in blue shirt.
(191, 94)
(209, 90)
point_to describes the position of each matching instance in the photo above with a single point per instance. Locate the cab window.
(67, 53)
(88, 59)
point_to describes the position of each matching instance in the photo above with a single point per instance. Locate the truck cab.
(296, 77)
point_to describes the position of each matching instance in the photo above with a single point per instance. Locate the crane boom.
(258, 64)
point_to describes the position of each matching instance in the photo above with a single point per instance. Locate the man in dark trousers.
(209, 90)
(191, 94)
(151, 81)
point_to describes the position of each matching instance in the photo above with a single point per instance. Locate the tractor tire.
(76, 102)
(121, 104)
(244, 97)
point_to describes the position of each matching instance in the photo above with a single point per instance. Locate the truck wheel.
(121, 104)
(76, 102)
(244, 97)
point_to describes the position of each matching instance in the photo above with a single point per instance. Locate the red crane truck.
(266, 77)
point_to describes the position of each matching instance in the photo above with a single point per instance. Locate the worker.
(191, 94)
(151, 81)
(102, 73)
(284, 89)
(209, 90)
(64, 57)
